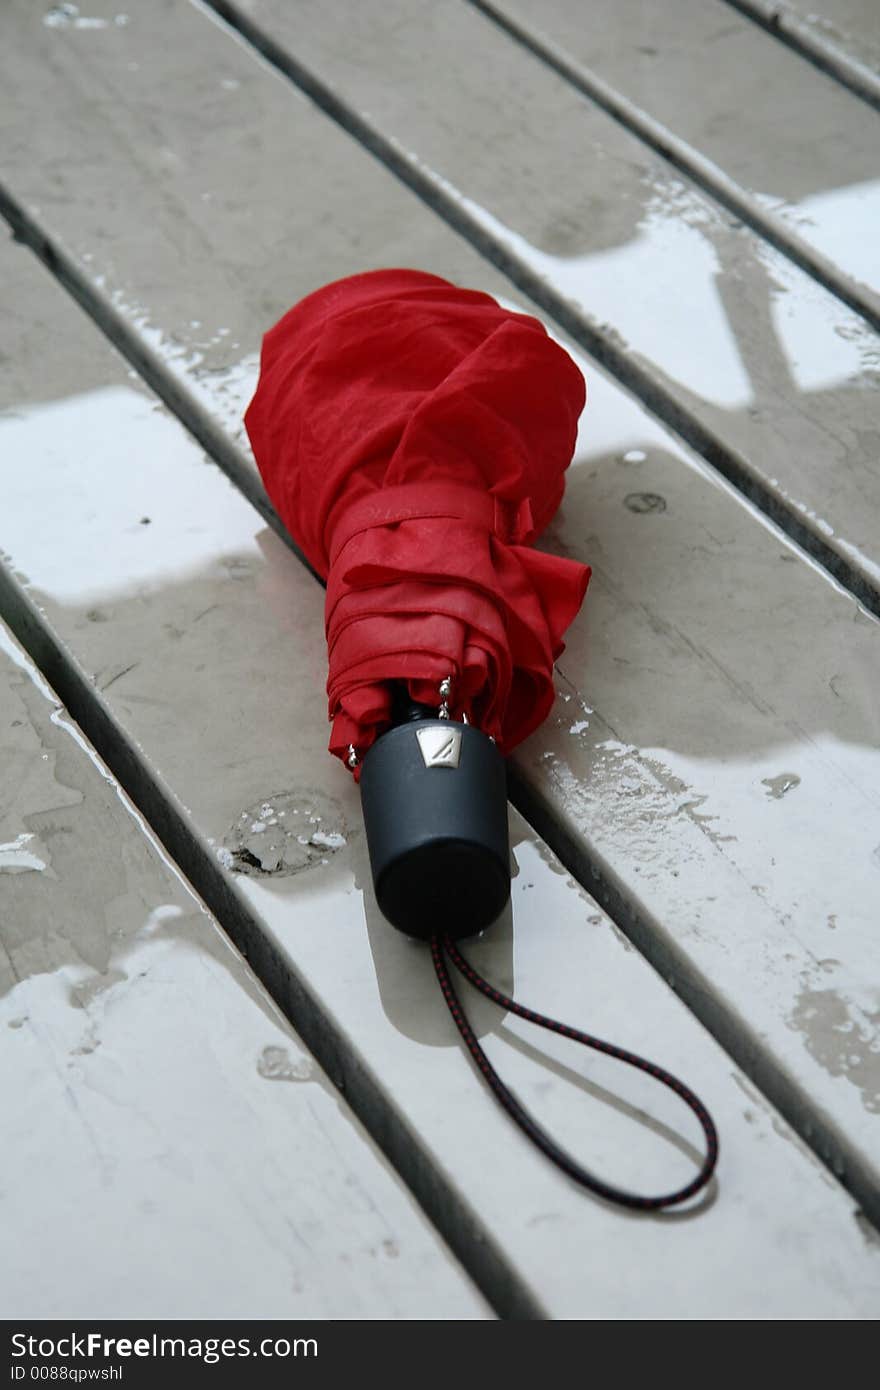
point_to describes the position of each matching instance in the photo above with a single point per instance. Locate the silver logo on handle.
(440, 747)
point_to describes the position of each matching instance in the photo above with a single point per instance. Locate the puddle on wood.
(283, 834)
(276, 1064)
(642, 502)
(67, 16)
(17, 856)
(842, 1038)
(778, 786)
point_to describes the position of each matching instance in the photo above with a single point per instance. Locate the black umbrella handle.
(440, 947)
(434, 798)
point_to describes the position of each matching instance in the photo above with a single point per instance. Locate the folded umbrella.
(413, 437)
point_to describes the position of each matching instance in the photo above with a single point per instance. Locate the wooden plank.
(840, 36)
(803, 156)
(204, 603)
(716, 659)
(159, 1112)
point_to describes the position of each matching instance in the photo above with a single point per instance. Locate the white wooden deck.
(172, 1147)
(699, 864)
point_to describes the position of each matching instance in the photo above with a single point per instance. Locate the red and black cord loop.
(521, 1117)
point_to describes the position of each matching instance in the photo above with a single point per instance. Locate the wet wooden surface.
(768, 372)
(819, 173)
(711, 767)
(171, 1149)
(193, 594)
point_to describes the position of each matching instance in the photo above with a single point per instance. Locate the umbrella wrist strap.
(442, 946)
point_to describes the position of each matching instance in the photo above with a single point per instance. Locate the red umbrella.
(413, 438)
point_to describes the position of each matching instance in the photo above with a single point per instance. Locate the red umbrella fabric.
(413, 438)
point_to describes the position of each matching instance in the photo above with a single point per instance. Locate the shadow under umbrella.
(412, 1006)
